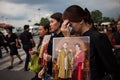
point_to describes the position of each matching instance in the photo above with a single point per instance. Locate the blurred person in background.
(12, 41)
(27, 42)
(4, 42)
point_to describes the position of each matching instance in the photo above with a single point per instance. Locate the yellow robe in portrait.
(61, 65)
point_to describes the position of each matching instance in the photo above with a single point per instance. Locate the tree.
(106, 19)
(37, 24)
(44, 20)
(118, 17)
(96, 16)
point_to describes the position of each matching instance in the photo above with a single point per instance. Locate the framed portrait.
(44, 45)
(71, 58)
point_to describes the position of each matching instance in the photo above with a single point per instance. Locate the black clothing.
(13, 47)
(0, 53)
(27, 45)
(49, 51)
(0, 49)
(2, 41)
(102, 59)
(25, 38)
(116, 36)
(40, 43)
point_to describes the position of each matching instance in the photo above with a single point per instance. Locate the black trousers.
(28, 56)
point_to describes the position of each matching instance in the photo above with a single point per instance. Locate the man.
(64, 63)
(27, 42)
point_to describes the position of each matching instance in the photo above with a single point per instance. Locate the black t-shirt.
(25, 38)
(1, 39)
(11, 39)
(116, 36)
(102, 59)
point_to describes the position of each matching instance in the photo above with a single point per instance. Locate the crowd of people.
(104, 44)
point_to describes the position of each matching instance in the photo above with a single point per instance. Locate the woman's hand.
(65, 28)
(40, 74)
(47, 57)
(12, 43)
(32, 52)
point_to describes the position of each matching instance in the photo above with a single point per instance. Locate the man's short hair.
(26, 27)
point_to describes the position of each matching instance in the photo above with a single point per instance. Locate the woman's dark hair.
(9, 28)
(57, 16)
(75, 13)
(46, 26)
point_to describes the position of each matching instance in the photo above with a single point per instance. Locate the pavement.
(17, 73)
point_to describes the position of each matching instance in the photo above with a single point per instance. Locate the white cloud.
(12, 9)
(19, 12)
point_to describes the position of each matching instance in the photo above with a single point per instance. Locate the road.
(17, 73)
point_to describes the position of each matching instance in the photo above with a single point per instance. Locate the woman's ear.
(46, 30)
(81, 22)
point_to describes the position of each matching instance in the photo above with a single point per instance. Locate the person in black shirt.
(4, 42)
(116, 42)
(1, 45)
(27, 41)
(12, 41)
(102, 59)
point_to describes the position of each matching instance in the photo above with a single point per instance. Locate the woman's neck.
(58, 31)
(85, 28)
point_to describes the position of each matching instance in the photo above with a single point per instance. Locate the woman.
(55, 25)
(100, 47)
(43, 30)
(12, 40)
(79, 58)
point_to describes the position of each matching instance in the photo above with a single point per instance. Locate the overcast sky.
(18, 12)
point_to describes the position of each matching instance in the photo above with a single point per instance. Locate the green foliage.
(106, 19)
(118, 17)
(44, 20)
(96, 16)
(37, 24)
